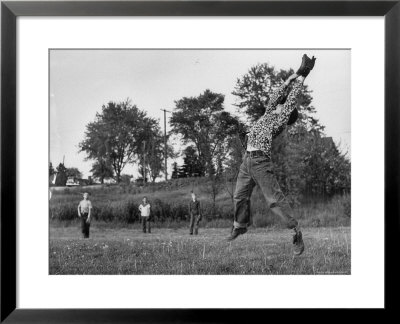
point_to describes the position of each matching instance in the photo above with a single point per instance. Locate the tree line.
(306, 161)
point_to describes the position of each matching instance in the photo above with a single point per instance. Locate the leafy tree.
(191, 163)
(233, 163)
(153, 152)
(213, 187)
(327, 171)
(254, 88)
(175, 171)
(116, 135)
(51, 169)
(62, 177)
(101, 170)
(74, 172)
(202, 121)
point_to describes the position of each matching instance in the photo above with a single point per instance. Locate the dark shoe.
(191, 233)
(236, 232)
(306, 66)
(298, 242)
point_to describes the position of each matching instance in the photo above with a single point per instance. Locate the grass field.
(173, 251)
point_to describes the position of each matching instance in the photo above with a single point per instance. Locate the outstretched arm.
(291, 101)
(279, 92)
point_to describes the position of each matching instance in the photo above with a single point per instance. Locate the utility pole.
(165, 143)
(144, 163)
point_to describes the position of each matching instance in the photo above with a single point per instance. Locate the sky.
(81, 81)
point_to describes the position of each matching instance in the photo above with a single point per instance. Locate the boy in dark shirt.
(195, 214)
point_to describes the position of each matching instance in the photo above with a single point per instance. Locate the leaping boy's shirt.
(85, 205)
(271, 124)
(144, 210)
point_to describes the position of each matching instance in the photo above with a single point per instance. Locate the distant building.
(109, 181)
(72, 182)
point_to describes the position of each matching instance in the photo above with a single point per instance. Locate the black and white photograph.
(199, 161)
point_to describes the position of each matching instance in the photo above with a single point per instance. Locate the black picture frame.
(10, 10)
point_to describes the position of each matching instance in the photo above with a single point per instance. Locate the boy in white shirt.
(144, 208)
(84, 212)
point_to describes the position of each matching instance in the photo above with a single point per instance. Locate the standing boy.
(144, 208)
(195, 214)
(84, 212)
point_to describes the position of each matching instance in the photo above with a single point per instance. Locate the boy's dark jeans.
(259, 171)
(84, 225)
(194, 223)
(146, 224)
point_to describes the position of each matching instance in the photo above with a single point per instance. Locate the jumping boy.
(84, 212)
(257, 168)
(145, 211)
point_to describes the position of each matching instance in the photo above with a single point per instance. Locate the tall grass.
(170, 201)
(335, 211)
